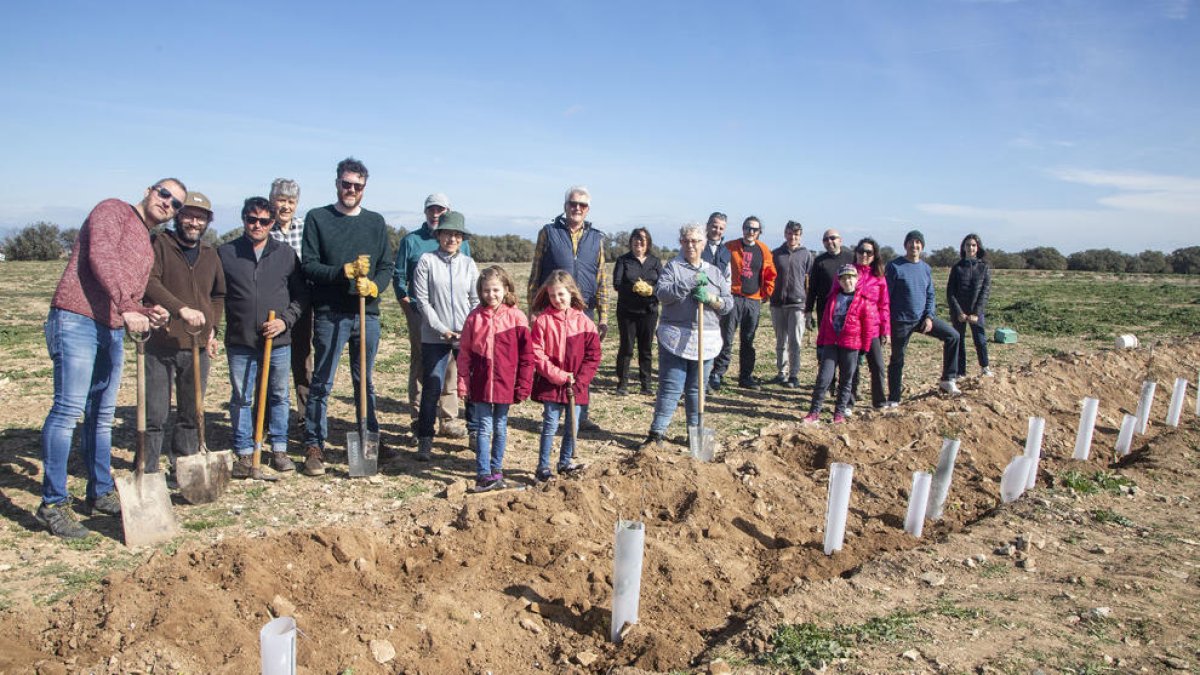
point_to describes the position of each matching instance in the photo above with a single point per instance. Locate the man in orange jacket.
(752, 273)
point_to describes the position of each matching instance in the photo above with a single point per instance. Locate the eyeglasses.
(862, 251)
(251, 220)
(691, 242)
(166, 194)
(349, 186)
(830, 238)
(751, 229)
(578, 205)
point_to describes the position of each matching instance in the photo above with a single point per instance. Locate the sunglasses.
(578, 205)
(349, 186)
(863, 251)
(251, 220)
(166, 194)
(752, 229)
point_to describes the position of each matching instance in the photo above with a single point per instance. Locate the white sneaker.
(950, 388)
(987, 372)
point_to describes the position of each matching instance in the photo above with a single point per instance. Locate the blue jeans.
(331, 332)
(491, 421)
(677, 377)
(550, 414)
(978, 336)
(435, 359)
(244, 364)
(87, 359)
(901, 332)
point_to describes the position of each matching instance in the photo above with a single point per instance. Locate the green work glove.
(701, 279)
(701, 294)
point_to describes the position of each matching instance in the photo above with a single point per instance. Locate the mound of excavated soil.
(521, 580)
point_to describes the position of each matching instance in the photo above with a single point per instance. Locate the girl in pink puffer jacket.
(845, 331)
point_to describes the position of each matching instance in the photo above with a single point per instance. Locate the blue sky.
(1074, 124)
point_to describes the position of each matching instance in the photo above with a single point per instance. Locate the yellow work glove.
(642, 288)
(363, 265)
(350, 270)
(367, 287)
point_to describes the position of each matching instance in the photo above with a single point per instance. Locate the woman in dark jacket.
(967, 294)
(634, 276)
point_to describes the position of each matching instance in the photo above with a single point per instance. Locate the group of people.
(300, 285)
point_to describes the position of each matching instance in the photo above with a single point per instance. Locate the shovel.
(702, 440)
(362, 448)
(146, 514)
(204, 476)
(256, 471)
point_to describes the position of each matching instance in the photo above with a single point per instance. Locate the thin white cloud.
(1147, 192)
(573, 110)
(1175, 9)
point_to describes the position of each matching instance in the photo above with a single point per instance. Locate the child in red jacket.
(844, 332)
(495, 370)
(566, 354)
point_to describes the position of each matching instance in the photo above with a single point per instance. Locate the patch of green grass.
(1099, 481)
(255, 492)
(1110, 516)
(88, 543)
(201, 524)
(946, 607)
(991, 570)
(12, 335)
(72, 581)
(5, 601)
(806, 645)
(407, 492)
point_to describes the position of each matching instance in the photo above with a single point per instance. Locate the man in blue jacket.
(910, 289)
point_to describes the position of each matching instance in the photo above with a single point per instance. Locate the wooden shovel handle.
(263, 374)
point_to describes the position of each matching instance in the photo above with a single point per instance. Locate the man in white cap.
(412, 247)
(188, 281)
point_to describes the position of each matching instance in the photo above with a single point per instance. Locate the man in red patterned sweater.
(98, 298)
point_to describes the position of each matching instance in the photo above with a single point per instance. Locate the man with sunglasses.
(262, 273)
(334, 238)
(752, 274)
(824, 275)
(414, 245)
(572, 244)
(98, 298)
(187, 280)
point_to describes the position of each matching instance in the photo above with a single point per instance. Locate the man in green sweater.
(334, 238)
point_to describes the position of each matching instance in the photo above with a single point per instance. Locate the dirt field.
(1093, 571)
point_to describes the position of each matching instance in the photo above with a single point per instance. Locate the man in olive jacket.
(186, 280)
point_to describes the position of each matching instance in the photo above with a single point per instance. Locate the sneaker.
(424, 449)
(987, 372)
(621, 390)
(571, 469)
(108, 504)
(488, 483)
(949, 387)
(811, 418)
(452, 429)
(792, 383)
(243, 467)
(653, 438)
(60, 520)
(314, 461)
(750, 384)
(588, 425)
(779, 380)
(281, 462)
(543, 476)
(715, 384)
(839, 418)
(647, 390)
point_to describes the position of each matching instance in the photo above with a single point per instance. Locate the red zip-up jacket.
(495, 356)
(854, 333)
(564, 342)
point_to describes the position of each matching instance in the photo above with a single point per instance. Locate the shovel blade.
(146, 514)
(702, 443)
(203, 477)
(362, 453)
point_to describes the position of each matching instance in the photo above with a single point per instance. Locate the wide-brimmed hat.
(453, 221)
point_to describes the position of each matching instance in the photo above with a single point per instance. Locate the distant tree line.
(1179, 261)
(46, 241)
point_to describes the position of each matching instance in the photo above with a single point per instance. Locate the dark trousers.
(901, 332)
(845, 362)
(637, 328)
(743, 319)
(979, 337)
(166, 368)
(874, 359)
(302, 359)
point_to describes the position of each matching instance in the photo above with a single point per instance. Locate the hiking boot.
(543, 476)
(108, 504)
(751, 384)
(779, 380)
(243, 467)
(647, 390)
(621, 390)
(571, 469)
(653, 438)
(588, 425)
(452, 429)
(60, 520)
(281, 462)
(792, 383)
(314, 461)
(811, 418)
(424, 449)
(949, 388)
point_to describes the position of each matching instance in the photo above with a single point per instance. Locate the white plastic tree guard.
(1145, 402)
(1125, 438)
(940, 488)
(628, 550)
(1012, 482)
(1178, 395)
(277, 643)
(1087, 425)
(840, 478)
(918, 499)
(1033, 448)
